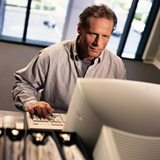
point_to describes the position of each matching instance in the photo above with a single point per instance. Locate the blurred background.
(44, 22)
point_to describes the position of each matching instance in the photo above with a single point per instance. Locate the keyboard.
(54, 121)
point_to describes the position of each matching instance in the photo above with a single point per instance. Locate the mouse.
(8, 121)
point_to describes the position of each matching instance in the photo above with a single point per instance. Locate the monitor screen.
(130, 106)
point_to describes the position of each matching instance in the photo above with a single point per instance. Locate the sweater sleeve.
(28, 81)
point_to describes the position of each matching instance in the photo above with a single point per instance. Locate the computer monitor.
(129, 106)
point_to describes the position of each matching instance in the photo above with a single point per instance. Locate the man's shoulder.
(111, 55)
(116, 64)
(58, 47)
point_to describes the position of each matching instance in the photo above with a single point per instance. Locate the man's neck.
(79, 51)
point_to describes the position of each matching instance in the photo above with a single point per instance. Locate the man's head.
(95, 28)
(98, 11)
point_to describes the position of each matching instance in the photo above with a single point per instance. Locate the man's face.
(94, 37)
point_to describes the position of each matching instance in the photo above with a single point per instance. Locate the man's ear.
(79, 28)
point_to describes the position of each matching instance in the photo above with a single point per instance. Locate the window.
(46, 21)
(14, 18)
(34, 21)
(122, 9)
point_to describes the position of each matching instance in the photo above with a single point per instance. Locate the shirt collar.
(75, 49)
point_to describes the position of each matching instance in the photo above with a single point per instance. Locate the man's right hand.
(42, 108)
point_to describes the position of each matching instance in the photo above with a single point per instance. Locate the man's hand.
(42, 108)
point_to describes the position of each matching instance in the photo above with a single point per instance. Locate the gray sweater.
(55, 70)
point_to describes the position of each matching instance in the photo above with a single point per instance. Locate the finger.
(30, 110)
(44, 111)
(38, 109)
(48, 107)
(43, 108)
(52, 110)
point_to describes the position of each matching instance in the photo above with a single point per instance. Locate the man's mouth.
(94, 49)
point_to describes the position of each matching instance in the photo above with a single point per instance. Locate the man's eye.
(104, 36)
(93, 34)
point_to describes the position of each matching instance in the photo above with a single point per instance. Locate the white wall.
(76, 7)
(152, 50)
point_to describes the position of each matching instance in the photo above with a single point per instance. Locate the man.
(56, 68)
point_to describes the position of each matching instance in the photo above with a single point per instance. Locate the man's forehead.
(92, 18)
(97, 27)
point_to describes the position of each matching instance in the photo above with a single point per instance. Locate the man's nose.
(97, 41)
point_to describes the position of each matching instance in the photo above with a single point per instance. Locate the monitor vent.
(136, 147)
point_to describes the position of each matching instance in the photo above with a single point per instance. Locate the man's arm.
(28, 81)
(24, 94)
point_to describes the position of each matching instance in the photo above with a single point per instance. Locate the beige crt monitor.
(129, 106)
